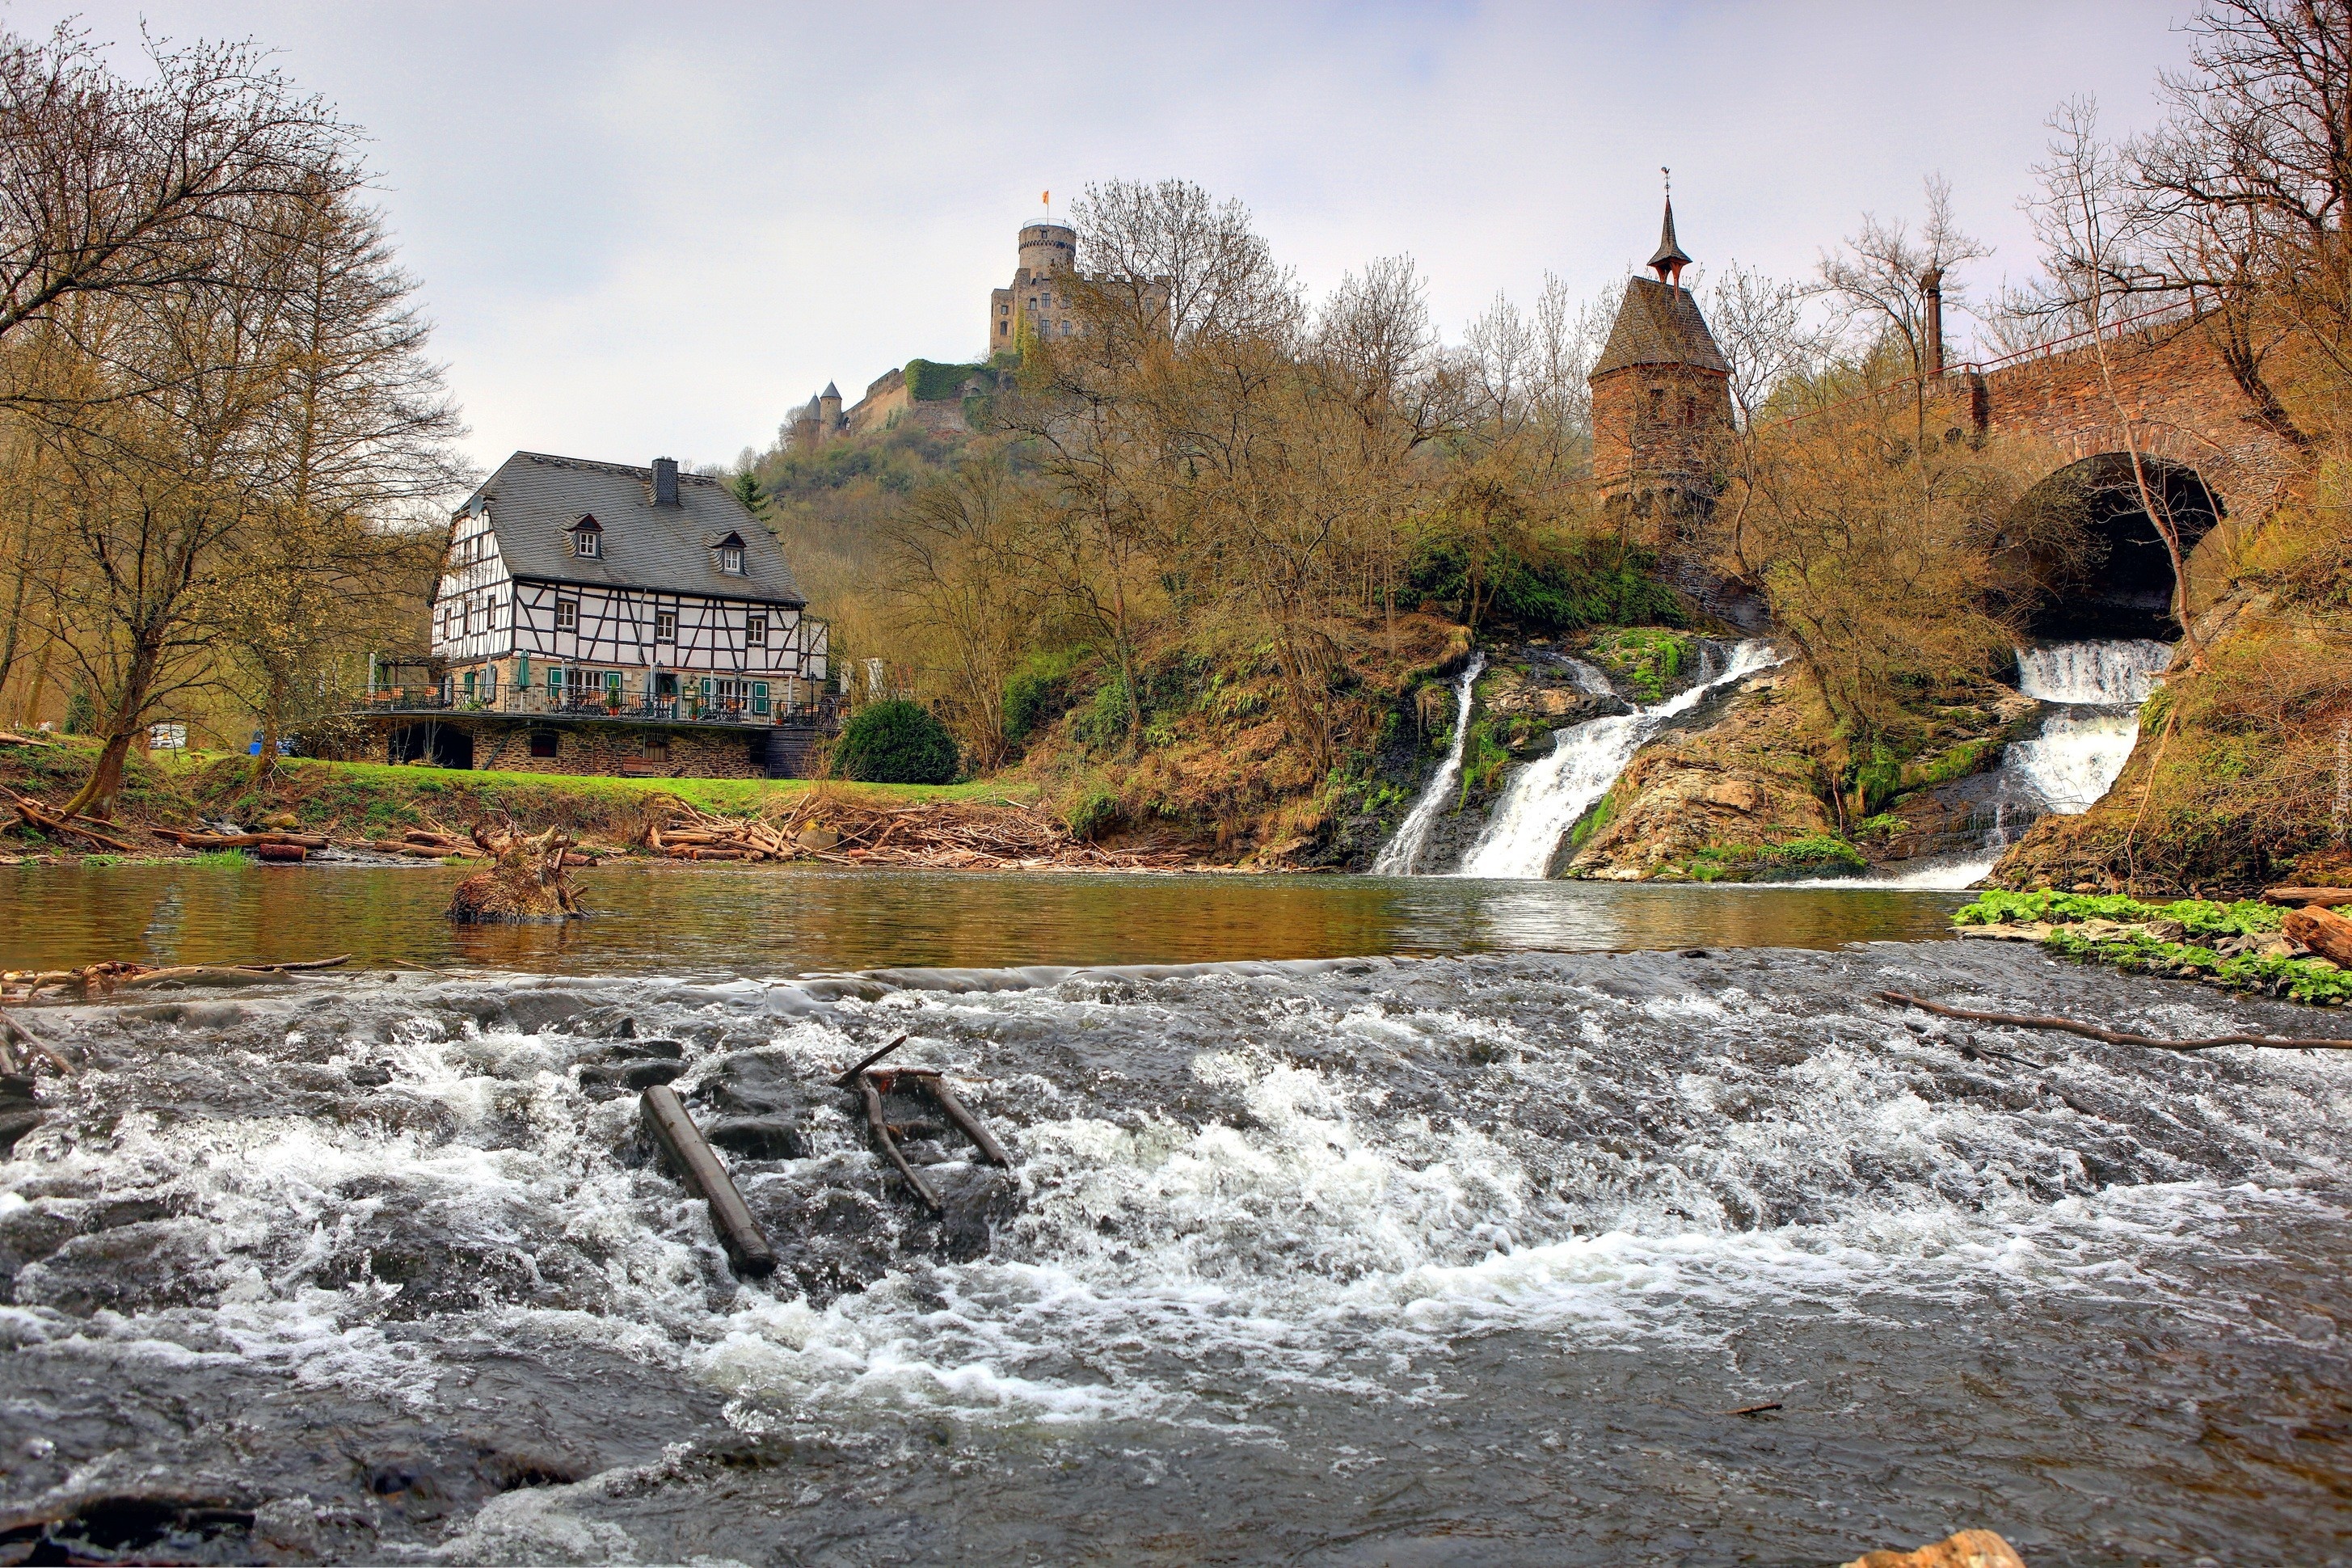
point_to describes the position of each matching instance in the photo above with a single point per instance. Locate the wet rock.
(622, 1077)
(369, 1075)
(134, 1528)
(755, 1083)
(126, 1269)
(19, 1113)
(1969, 1549)
(765, 1137)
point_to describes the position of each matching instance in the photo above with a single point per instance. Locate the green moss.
(1483, 758)
(928, 381)
(1885, 825)
(1815, 854)
(1649, 659)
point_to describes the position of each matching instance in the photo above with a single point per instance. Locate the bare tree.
(109, 186)
(1881, 280)
(2087, 227)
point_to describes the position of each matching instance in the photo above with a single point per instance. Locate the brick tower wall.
(1659, 428)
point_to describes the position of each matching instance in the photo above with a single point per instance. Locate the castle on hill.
(1660, 388)
(1036, 305)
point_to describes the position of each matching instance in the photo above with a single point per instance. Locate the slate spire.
(1669, 260)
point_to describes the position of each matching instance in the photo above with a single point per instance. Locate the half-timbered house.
(596, 617)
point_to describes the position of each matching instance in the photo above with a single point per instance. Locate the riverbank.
(356, 807)
(2239, 946)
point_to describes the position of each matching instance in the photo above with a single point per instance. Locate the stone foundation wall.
(504, 746)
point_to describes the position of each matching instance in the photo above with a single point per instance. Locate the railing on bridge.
(757, 704)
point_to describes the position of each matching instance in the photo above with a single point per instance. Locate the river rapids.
(1401, 1261)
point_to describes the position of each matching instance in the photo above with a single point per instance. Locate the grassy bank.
(2235, 946)
(372, 800)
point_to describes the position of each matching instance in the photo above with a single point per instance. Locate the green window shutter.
(759, 696)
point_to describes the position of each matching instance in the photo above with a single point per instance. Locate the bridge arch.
(2095, 555)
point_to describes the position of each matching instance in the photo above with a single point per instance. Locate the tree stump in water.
(527, 881)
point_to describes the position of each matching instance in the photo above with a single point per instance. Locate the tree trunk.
(96, 796)
(265, 764)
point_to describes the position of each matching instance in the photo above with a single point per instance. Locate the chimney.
(666, 481)
(1931, 284)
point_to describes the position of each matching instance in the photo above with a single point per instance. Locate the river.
(1360, 1221)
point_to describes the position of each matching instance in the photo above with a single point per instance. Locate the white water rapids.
(1397, 858)
(1548, 796)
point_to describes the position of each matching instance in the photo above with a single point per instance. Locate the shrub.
(895, 742)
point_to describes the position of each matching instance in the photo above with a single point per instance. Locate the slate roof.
(1659, 324)
(535, 499)
(1668, 250)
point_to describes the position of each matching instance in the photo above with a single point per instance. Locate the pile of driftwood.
(844, 831)
(870, 1083)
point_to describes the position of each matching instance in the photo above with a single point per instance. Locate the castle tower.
(829, 419)
(1034, 306)
(1660, 399)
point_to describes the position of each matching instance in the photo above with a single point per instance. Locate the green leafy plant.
(895, 741)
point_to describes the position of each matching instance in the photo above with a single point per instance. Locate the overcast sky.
(653, 229)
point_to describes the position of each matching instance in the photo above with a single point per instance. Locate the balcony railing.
(587, 702)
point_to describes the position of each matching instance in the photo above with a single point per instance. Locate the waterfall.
(2108, 674)
(2095, 689)
(2098, 688)
(2078, 755)
(1549, 794)
(1397, 857)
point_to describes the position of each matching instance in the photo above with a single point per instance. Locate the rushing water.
(1545, 797)
(2112, 673)
(1401, 855)
(1451, 1261)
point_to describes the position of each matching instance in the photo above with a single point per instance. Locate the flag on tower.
(1047, 198)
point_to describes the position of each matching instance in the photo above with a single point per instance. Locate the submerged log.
(690, 1155)
(878, 1130)
(969, 1125)
(2322, 931)
(528, 882)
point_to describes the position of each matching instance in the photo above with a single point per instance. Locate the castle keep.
(1034, 305)
(1661, 396)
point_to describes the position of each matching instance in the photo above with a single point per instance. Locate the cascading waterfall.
(2095, 689)
(1548, 796)
(2099, 687)
(1397, 856)
(2105, 674)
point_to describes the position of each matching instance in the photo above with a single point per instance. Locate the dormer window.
(731, 555)
(588, 539)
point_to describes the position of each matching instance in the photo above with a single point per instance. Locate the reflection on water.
(789, 921)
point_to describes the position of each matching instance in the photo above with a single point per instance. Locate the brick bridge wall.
(2180, 398)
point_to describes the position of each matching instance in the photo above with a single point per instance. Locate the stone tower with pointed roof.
(1661, 400)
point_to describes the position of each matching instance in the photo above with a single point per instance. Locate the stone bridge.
(2165, 390)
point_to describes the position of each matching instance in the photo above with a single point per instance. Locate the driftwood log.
(2299, 896)
(690, 1153)
(2322, 931)
(528, 882)
(2112, 1036)
(33, 814)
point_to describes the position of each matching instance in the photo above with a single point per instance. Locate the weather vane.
(1669, 174)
